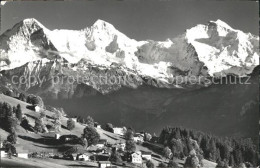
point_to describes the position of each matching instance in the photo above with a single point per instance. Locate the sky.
(138, 19)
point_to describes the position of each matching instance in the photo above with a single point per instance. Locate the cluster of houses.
(102, 151)
(99, 152)
(20, 152)
(138, 137)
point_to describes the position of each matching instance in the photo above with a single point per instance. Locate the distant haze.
(141, 20)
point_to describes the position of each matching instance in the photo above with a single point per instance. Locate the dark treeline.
(229, 151)
(9, 116)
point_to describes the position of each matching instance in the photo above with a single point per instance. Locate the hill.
(39, 142)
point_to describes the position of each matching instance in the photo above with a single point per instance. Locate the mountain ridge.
(74, 45)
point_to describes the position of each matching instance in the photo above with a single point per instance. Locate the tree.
(222, 164)
(22, 97)
(191, 162)
(25, 124)
(35, 100)
(91, 135)
(57, 125)
(129, 135)
(83, 142)
(8, 93)
(173, 164)
(177, 148)
(42, 114)
(18, 112)
(115, 156)
(147, 136)
(109, 127)
(7, 120)
(149, 164)
(57, 115)
(9, 148)
(39, 125)
(162, 165)
(167, 153)
(70, 124)
(11, 123)
(12, 138)
(90, 121)
(130, 146)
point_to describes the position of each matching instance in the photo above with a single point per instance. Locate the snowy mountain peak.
(213, 49)
(30, 25)
(221, 24)
(101, 24)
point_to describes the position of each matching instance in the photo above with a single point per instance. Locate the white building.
(104, 164)
(57, 136)
(119, 131)
(136, 157)
(3, 154)
(83, 157)
(122, 146)
(37, 108)
(146, 155)
(138, 139)
(22, 155)
(74, 119)
(101, 143)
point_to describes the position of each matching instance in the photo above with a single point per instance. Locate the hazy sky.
(138, 19)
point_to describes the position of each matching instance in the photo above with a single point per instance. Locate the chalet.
(3, 154)
(138, 137)
(83, 157)
(37, 108)
(101, 143)
(119, 146)
(57, 136)
(104, 164)
(146, 155)
(97, 125)
(135, 157)
(21, 153)
(119, 131)
(74, 119)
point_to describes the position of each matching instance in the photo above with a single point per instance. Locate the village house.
(146, 155)
(104, 164)
(36, 108)
(74, 119)
(119, 146)
(119, 131)
(21, 153)
(72, 156)
(135, 158)
(83, 157)
(57, 136)
(101, 143)
(97, 125)
(138, 138)
(3, 154)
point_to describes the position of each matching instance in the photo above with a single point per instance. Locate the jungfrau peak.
(223, 49)
(214, 49)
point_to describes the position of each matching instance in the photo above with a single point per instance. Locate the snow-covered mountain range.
(211, 50)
